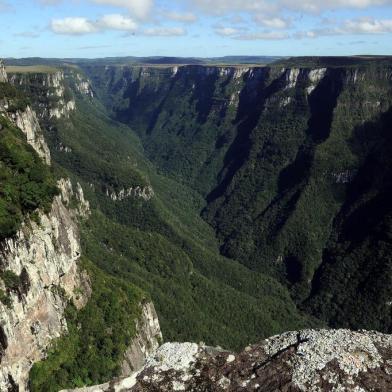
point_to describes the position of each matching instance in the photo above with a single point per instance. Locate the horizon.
(158, 57)
(193, 28)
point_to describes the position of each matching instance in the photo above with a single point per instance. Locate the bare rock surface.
(147, 340)
(3, 73)
(44, 256)
(27, 121)
(310, 360)
(54, 99)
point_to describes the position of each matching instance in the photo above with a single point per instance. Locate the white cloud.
(165, 31)
(264, 36)
(181, 16)
(272, 23)
(225, 6)
(139, 8)
(73, 26)
(368, 26)
(316, 6)
(117, 22)
(353, 26)
(276, 7)
(79, 25)
(226, 31)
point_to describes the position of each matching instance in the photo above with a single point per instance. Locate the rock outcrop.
(83, 86)
(27, 121)
(53, 100)
(3, 73)
(43, 257)
(148, 338)
(317, 361)
(39, 271)
(146, 193)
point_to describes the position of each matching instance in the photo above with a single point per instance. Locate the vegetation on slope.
(161, 246)
(156, 240)
(97, 338)
(26, 183)
(352, 288)
(275, 169)
(278, 175)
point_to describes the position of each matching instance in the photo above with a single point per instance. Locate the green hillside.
(158, 244)
(278, 158)
(245, 201)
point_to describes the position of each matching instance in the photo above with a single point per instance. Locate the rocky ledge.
(310, 360)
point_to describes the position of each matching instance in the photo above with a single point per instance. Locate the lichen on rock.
(305, 361)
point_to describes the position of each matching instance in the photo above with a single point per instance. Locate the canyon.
(258, 203)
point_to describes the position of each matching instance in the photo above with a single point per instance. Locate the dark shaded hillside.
(160, 244)
(145, 229)
(225, 193)
(276, 153)
(353, 286)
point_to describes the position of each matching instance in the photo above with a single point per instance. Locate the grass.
(30, 69)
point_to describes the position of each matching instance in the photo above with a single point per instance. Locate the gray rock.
(310, 360)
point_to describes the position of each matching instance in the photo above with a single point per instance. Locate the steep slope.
(40, 248)
(352, 287)
(284, 162)
(282, 156)
(145, 229)
(52, 300)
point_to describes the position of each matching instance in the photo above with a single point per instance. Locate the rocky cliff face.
(318, 361)
(82, 85)
(144, 344)
(3, 73)
(287, 157)
(146, 193)
(43, 256)
(26, 119)
(147, 340)
(52, 98)
(39, 271)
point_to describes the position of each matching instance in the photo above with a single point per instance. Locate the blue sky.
(200, 28)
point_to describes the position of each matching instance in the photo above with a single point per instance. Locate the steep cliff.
(51, 95)
(145, 229)
(146, 341)
(50, 296)
(309, 360)
(17, 108)
(275, 152)
(27, 121)
(40, 244)
(287, 157)
(3, 73)
(42, 257)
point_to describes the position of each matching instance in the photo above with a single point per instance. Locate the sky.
(194, 28)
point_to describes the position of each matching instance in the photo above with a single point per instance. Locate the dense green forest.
(268, 207)
(160, 247)
(278, 154)
(97, 337)
(26, 183)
